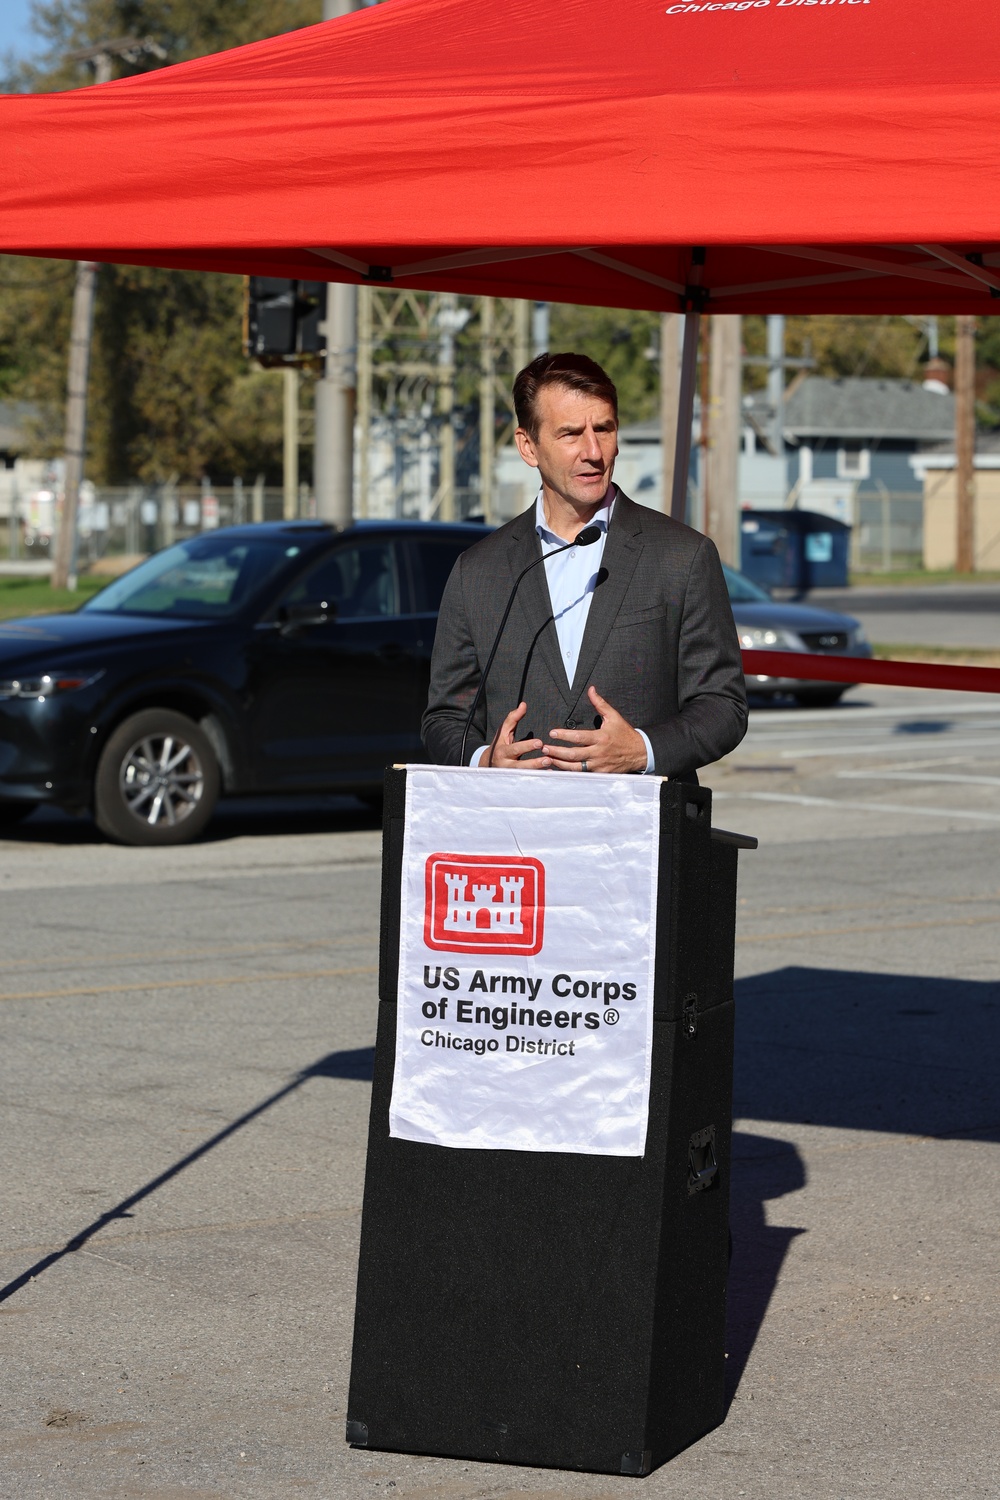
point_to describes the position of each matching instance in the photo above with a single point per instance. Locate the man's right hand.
(507, 752)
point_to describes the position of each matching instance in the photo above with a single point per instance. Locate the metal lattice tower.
(434, 372)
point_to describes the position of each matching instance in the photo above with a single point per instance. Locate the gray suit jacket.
(660, 644)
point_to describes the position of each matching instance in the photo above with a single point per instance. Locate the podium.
(547, 1307)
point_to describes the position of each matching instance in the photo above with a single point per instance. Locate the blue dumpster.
(794, 549)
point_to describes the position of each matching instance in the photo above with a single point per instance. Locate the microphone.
(584, 538)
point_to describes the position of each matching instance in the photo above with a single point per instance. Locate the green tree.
(876, 347)
(183, 28)
(624, 343)
(171, 393)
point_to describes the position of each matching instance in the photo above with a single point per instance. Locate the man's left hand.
(616, 746)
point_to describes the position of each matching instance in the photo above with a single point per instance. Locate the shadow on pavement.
(356, 1064)
(763, 1169)
(857, 1051)
(850, 1049)
(869, 1051)
(235, 817)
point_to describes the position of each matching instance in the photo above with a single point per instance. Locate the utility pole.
(333, 461)
(965, 442)
(704, 424)
(539, 329)
(366, 295)
(335, 395)
(725, 401)
(776, 381)
(81, 328)
(450, 320)
(64, 562)
(670, 392)
(487, 407)
(520, 341)
(290, 475)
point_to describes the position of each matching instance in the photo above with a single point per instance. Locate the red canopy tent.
(735, 155)
(829, 155)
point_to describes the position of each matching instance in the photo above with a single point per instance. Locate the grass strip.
(955, 656)
(20, 597)
(908, 576)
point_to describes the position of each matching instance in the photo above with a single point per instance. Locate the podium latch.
(703, 1168)
(689, 1015)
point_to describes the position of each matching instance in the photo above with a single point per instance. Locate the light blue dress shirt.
(572, 579)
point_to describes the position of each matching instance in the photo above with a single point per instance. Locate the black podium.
(554, 1309)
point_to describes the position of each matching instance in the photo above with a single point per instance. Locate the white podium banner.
(527, 928)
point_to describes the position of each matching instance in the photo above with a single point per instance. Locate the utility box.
(794, 549)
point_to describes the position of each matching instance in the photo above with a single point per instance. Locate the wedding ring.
(584, 766)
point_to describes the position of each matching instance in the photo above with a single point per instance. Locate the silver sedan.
(764, 625)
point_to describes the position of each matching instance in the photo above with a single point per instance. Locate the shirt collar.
(602, 519)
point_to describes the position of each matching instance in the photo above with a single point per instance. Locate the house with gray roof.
(848, 450)
(863, 432)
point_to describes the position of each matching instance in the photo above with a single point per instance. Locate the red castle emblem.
(484, 903)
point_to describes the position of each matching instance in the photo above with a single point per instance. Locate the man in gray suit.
(618, 656)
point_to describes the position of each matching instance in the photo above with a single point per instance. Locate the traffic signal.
(281, 320)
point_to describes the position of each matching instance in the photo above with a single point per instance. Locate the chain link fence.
(129, 521)
(888, 534)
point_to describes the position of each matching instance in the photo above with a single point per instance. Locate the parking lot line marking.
(171, 955)
(845, 715)
(874, 774)
(844, 751)
(924, 762)
(279, 976)
(140, 1237)
(820, 932)
(829, 908)
(867, 807)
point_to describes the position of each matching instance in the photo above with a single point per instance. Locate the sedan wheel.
(157, 780)
(819, 697)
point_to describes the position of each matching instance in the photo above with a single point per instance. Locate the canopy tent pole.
(685, 414)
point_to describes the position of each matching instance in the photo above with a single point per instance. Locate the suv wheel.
(157, 780)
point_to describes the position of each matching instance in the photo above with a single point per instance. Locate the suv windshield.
(741, 590)
(206, 578)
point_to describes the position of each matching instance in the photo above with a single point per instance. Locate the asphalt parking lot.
(185, 1057)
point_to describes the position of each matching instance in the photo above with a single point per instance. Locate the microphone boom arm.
(585, 538)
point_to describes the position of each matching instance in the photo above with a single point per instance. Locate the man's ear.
(525, 447)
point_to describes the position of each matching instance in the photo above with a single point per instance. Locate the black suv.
(267, 658)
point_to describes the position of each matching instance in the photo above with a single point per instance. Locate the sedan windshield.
(741, 590)
(206, 578)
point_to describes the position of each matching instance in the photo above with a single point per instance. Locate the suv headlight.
(759, 638)
(46, 684)
(859, 636)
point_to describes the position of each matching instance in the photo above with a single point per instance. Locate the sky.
(14, 33)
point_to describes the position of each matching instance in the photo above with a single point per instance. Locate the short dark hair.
(575, 372)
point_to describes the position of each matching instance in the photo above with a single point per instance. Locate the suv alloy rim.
(161, 780)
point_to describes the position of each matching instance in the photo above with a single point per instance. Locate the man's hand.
(507, 752)
(616, 746)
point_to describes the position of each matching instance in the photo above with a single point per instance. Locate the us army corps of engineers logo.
(484, 903)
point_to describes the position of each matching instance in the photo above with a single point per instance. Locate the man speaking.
(619, 654)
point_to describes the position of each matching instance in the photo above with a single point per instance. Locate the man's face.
(576, 446)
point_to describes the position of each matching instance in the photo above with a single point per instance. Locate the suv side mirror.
(294, 617)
